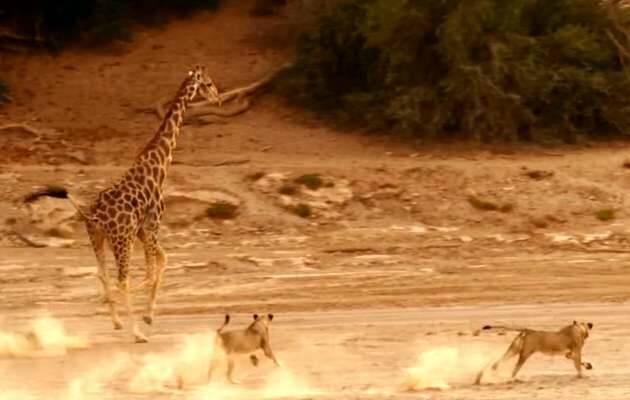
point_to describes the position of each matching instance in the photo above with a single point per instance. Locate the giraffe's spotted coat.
(133, 206)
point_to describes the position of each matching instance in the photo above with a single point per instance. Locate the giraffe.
(133, 206)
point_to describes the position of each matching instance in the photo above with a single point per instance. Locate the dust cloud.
(16, 395)
(93, 385)
(442, 367)
(46, 336)
(281, 383)
(187, 364)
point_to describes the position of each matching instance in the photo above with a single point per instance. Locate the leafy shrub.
(485, 204)
(4, 92)
(303, 210)
(605, 214)
(480, 69)
(222, 210)
(264, 8)
(254, 176)
(288, 189)
(93, 21)
(311, 181)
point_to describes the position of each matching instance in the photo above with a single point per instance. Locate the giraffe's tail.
(56, 192)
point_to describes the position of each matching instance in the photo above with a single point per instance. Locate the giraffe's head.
(200, 83)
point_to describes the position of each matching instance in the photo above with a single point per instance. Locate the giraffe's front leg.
(122, 252)
(135, 331)
(97, 238)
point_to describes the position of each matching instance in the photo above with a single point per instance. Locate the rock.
(52, 242)
(486, 203)
(64, 230)
(183, 208)
(53, 217)
(338, 195)
(271, 180)
(78, 155)
(331, 215)
(539, 222)
(321, 200)
(538, 174)
(318, 204)
(286, 201)
(384, 193)
(10, 178)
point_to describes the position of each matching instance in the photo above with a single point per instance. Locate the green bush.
(222, 210)
(303, 210)
(264, 8)
(92, 21)
(288, 189)
(480, 69)
(4, 92)
(605, 214)
(311, 181)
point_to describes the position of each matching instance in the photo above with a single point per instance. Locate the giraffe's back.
(122, 208)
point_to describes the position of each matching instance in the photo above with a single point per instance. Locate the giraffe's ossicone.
(133, 206)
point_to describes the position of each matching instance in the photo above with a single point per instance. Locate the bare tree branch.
(237, 100)
(23, 127)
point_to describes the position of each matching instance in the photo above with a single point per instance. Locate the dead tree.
(234, 101)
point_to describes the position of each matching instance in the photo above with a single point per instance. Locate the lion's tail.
(57, 192)
(227, 321)
(505, 328)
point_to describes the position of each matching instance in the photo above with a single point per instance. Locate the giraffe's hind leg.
(160, 257)
(156, 257)
(151, 255)
(122, 252)
(149, 258)
(97, 239)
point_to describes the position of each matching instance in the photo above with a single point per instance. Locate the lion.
(248, 340)
(568, 341)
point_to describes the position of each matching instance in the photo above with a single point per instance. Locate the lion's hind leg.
(479, 376)
(522, 357)
(230, 372)
(215, 360)
(512, 351)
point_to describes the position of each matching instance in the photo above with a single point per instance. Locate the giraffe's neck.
(171, 125)
(157, 155)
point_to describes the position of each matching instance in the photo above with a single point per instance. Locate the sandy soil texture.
(408, 251)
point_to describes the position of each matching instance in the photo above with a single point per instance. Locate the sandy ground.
(394, 271)
(359, 354)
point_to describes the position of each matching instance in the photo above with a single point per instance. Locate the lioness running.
(248, 340)
(568, 341)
